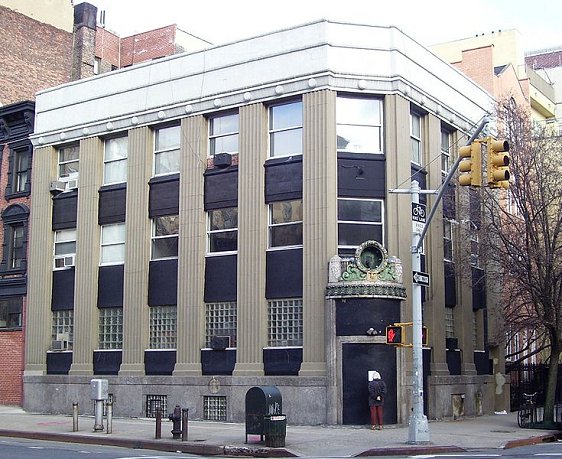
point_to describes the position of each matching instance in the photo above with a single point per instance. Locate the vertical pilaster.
(434, 307)
(252, 241)
(40, 264)
(319, 221)
(87, 257)
(191, 256)
(137, 252)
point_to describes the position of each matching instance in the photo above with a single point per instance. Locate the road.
(15, 448)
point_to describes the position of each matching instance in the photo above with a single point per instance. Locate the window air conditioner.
(64, 262)
(220, 343)
(61, 343)
(57, 186)
(222, 160)
(72, 184)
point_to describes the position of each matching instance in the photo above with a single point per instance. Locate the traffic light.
(394, 334)
(498, 163)
(471, 164)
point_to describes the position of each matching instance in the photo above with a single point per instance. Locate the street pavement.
(208, 438)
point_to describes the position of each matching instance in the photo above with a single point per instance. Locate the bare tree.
(523, 237)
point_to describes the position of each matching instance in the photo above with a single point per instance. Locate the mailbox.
(99, 389)
(261, 401)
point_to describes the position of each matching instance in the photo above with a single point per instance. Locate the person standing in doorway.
(377, 392)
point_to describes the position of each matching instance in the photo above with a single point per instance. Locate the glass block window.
(110, 331)
(223, 134)
(447, 240)
(165, 232)
(68, 162)
(167, 150)
(449, 323)
(163, 327)
(285, 129)
(359, 220)
(222, 232)
(285, 224)
(113, 244)
(220, 320)
(115, 160)
(63, 324)
(214, 408)
(359, 125)
(416, 138)
(285, 323)
(155, 402)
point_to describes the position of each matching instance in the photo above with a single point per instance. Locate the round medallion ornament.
(371, 257)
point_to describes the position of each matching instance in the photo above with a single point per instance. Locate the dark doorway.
(357, 360)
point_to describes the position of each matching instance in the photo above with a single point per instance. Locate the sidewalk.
(208, 438)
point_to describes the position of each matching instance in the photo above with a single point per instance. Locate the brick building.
(45, 43)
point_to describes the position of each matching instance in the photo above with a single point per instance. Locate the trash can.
(261, 401)
(275, 428)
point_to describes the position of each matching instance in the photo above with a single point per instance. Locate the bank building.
(214, 221)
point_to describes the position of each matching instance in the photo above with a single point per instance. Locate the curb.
(549, 438)
(410, 450)
(156, 445)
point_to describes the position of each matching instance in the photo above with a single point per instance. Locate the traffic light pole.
(418, 431)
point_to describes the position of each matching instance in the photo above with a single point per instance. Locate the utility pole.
(418, 431)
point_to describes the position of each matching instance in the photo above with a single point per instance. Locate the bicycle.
(526, 413)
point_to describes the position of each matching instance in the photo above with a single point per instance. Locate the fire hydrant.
(175, 417)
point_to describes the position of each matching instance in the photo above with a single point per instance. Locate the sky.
(426, 21)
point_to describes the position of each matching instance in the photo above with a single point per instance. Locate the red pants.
(376, 415)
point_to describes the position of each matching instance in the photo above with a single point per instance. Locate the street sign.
(421, 278)
(418, 217)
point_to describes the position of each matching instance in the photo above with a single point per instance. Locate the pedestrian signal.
(394, 334)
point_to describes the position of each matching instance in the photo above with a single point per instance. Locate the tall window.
(285, 325)
(65, 248)
(21, 160)
(416, 138)
(163, 321)
(220, 320)
(16, 250)
(359, 220)
(110, 328)
(447, 240)
(285, 224)
(68, 162)
(222, 233)
(115, 160)
(113, 244)
(359, 125)
(223, 134)
(167, 150)
(10, 312)
(445, 152)
(285, 129)
(165, 232)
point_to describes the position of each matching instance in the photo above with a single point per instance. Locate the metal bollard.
(109, 427)
(75, 416)
(184, 417)
(158, 423)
